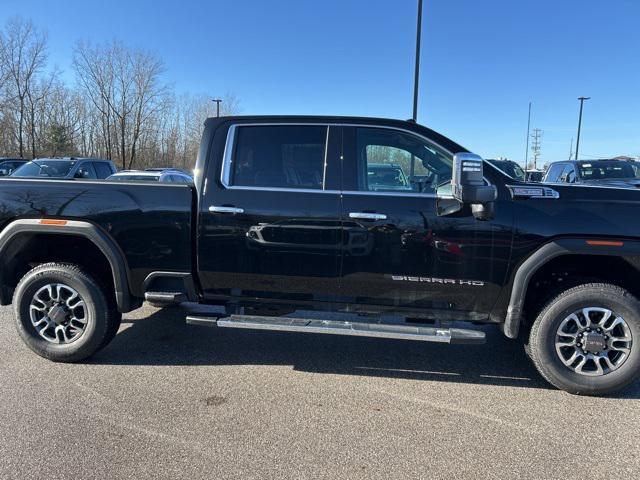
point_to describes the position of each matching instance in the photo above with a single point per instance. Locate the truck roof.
(402, 124)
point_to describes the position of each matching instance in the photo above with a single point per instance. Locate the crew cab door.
(397, 251)
(269, 219)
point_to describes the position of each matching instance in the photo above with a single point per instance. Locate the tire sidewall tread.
(542, 338)
(100, 312)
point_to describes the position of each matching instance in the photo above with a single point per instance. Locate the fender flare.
(93, 233)
(546, 253)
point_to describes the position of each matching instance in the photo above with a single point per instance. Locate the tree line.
(119, 107)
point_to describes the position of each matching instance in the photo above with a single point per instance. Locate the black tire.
(542, 338)
(114, 326)
(102, 317)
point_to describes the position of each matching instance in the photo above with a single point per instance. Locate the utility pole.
(526, 152)
(217, 101)
(417, 69)
(582, 99)
(536, 143)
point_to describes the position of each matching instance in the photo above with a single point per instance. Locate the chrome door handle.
(216, 209)
(368, 216)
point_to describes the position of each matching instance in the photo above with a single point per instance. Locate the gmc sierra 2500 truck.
(292, 214)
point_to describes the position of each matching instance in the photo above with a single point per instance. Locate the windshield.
(509, 167)
(601, 170)
(135, 178)
(45, 168)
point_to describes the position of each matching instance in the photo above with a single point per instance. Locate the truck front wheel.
(62, 313)
(587, 339)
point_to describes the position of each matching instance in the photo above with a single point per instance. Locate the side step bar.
(165, 297)
(336, 327)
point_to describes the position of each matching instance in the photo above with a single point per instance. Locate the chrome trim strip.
(227, 159)
(324, 166)
(217, 209)
(367, 216)
(530, 191)
(282, 189)
(389, 194)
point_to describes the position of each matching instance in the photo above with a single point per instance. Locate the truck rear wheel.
(586, 340)
(63, 314)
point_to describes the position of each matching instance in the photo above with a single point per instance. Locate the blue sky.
(482, 61)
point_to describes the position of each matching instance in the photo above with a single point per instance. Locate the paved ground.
(167, 400)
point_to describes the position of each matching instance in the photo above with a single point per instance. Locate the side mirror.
(467, 188)
(467, 181)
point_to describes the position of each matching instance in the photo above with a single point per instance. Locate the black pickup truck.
(298, 214)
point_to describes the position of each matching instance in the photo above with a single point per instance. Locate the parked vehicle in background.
(68, 168)
(283, 219)
(8, 165)
(388, 176)
(169, 175)
(609, 173)
(511, 168)
(535, 175)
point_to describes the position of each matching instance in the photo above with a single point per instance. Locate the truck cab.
(329, 213)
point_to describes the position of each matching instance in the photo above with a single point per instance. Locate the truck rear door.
(269, 219)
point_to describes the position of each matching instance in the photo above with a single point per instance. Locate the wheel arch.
(17, 229)
(553, 251)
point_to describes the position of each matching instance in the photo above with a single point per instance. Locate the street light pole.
(582, 99)
(526, 152)
(217, 101)
(417, 70)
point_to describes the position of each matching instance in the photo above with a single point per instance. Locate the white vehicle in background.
(165, 175)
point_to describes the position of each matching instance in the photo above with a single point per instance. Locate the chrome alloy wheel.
(58, 313)
(593, 341)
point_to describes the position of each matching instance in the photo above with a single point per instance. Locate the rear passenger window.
(282, 156)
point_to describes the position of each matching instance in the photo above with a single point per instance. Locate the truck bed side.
(150, 223)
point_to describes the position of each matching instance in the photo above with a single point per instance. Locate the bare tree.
(124, 86)
(23, 53)
(148, 95)
(120, 108)
(36, 105)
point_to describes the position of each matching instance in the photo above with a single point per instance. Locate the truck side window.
(395, 161)
(86, 170)
(554, 173)
(570, 174)
(279, 156)
(103, 170)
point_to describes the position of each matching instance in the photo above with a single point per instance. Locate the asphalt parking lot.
(167, 400)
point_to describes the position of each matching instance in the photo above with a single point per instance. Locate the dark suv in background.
(610, 173)
(68, 168)
(511, 168)
(8, 165)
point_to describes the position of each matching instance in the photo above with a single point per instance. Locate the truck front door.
(397, 251)
(269, 219)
